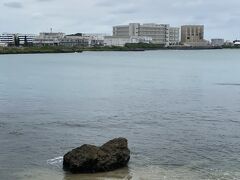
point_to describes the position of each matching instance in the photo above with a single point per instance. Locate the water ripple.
(16, 133)
(228, 84)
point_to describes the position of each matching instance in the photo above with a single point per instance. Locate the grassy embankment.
(37, 50)
(231, 47)
(61, 49)
(127, 47)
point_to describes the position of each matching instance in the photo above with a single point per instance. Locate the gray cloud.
(13, 4)
(220, 17)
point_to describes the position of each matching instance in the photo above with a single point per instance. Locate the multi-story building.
(193, 35)
(217, 42)
(158, 32)
(78, 39)
(124, 30)
(174, 35)
(95, 39)
(7, 39)
(84, 40)
(49, 38)
(74, 40)
(16, 39)
(25, 38)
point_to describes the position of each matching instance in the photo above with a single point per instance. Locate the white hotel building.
(49, 38)
(7, 39)
(23, 38)
(159, 33)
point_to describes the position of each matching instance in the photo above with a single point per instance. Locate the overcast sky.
(220, 17)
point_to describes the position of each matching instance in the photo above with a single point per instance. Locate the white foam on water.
(57, 161)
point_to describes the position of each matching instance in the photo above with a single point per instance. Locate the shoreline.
(58, 50)
(38, 50)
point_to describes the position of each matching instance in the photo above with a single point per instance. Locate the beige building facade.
(192, 34)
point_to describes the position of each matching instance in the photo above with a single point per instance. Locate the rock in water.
(90, 159)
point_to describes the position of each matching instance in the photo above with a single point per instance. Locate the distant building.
(74, 41)
(121, 41)
(7, 39)
(217, 42)
(16, 39)
(174, 35)
(158, 32)
(236, 43)
(25, 38)
(83, 40)
(49, 38)
(116, 41)
(95, 39)
(193, 35)
(228, 43)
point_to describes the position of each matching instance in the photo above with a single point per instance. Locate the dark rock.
(90, 159)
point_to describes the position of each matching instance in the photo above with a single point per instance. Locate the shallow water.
(180, 111)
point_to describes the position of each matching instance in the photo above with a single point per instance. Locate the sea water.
(180, 111)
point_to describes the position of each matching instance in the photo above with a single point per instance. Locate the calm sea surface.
(180, 111)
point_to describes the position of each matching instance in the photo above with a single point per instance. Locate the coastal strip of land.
(127, 47)
(38, 50)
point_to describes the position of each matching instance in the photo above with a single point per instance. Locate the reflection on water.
(229, 84)
(140, 173)
(45, 174)
(115, 175)
(152, 172)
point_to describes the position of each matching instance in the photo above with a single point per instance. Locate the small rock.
(90, 159)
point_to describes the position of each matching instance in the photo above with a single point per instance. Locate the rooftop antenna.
(51, 30)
